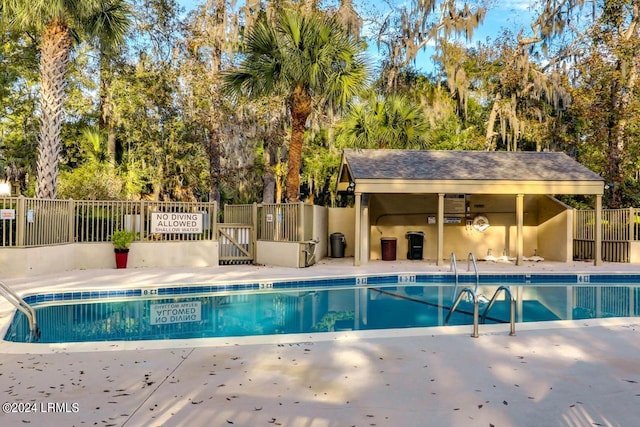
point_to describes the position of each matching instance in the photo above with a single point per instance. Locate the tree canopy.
(309, 58)
(59, 23)
(254, 101)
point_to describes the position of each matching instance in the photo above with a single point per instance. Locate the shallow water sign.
(176, 222)
(179, 312)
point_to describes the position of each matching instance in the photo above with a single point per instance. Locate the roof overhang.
(464, 172)
(345, 176)
(372, 186)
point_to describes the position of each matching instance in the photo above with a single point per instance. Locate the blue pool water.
(380, 302)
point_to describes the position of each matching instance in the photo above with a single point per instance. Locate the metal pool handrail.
(512, 308)
(454, 267)
(25, 308)
(470, 291)
(471, 259)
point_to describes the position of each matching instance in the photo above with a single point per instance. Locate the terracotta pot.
(121, 257)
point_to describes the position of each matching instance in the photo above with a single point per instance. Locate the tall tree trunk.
(269, 188)
(621, 98)
(618, 123)
(278, 191)
(301, 107)
(156, 183)
(54, 63)
(214, 153)
(489, 144)
(218, 10)
(269, 177)
(105, 123)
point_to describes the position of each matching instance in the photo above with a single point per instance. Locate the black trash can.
(388, 248)
(337, 245)
(415, 244)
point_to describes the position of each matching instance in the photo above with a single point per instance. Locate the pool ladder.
(24, 308)
(473, 296)
(471, 260)
(454, 268)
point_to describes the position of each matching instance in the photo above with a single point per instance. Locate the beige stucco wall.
(500, 238)
(290, 254)
(174, 254)
(634, 252)
(26, 262)
(320, 226)
(555, 232)
(343, 220)
(393, 215)
(281, 254)
(555, 237)
(93, 255)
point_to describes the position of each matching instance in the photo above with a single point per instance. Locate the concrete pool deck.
(567, 373)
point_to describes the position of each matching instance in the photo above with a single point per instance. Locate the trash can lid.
(420, 233)
(337, 234)
(388, 238)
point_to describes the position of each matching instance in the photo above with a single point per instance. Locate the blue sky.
(510, 14)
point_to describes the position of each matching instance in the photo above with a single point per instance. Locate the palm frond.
(109, 22)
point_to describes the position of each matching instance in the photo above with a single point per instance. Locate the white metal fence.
(27, 222)
(277, 222)
(620, 227)
(245, 224)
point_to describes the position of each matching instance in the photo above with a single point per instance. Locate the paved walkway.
(575, 373)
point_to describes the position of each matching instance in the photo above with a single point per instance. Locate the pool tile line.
(362, 280)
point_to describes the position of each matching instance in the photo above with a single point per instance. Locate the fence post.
(300, 221)
(71, 206)
(254, 223)
(143, 220)
(632, 221)
(214, 225)
(20, 217)
(598, 231)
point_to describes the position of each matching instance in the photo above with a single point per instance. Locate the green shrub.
(122, 239)
(91, 181)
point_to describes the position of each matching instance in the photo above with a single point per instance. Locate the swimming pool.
(328, 304)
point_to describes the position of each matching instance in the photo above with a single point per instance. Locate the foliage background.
(151, 120)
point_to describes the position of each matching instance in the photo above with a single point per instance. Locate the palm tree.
(59, 23)
(108, 28)
(391, 122)
(309, 58)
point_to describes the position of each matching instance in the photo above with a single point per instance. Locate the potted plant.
(121, 241)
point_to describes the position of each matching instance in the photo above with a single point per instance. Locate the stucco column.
(520, 229)
(597, 258)
(358, 230)
(440, 222)
(569, 233)
(21, 212)
(365, 249)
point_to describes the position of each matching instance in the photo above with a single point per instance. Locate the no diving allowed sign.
(176, 222)
(177, 312)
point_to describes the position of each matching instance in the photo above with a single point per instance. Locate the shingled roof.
(466, 165)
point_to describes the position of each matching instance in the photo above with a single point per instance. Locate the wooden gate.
(620, 231)
(236, 243)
